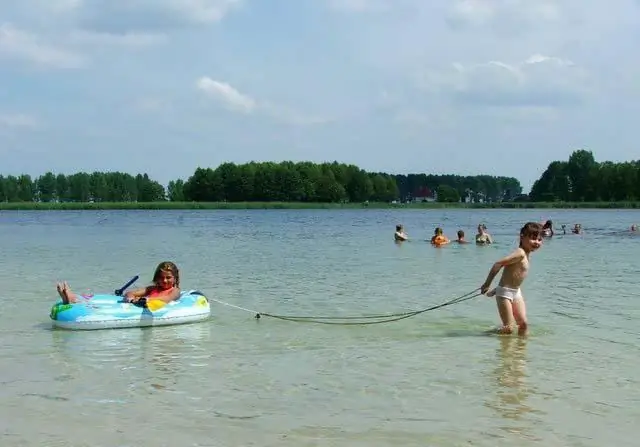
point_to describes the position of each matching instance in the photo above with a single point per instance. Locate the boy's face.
(531, 242)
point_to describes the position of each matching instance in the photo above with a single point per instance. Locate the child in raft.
(400, 235)
(509, 298)
(166, 282)
(439, 238)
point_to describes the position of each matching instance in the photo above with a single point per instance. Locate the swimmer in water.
(461, 239)
(634, 228)
(577, 229)
(400, 235)
(509, 299)
(439, 238)
(547, 229)
(483, 237)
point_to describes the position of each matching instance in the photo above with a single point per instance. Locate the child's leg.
(65, 293)
(520, 315)
(505, 311)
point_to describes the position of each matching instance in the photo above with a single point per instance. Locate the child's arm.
(512, 258)
(171, 295)
(134, 295)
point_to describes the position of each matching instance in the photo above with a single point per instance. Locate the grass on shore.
(25, 206)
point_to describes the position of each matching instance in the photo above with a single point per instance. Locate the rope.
(384, 318)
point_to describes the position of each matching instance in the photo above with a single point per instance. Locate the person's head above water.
(531, 236)
(460, 234)
(634, 227)
(399, 228)
(438, 231)
(166, 275)
(547, 224)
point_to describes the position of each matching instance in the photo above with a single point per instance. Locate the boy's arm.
(512, 258)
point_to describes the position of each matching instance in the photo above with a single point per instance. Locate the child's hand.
(484, 288)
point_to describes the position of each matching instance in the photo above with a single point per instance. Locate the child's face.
(166, 280)
(531, 242)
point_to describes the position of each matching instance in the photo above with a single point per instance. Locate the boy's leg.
(520, 315)
(505, 310)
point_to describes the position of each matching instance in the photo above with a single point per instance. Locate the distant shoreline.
(51, 206)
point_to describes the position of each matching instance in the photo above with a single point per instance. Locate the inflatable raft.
(111, 312)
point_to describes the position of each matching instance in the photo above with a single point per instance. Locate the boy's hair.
(460, 233)
(438, 231)
(531, 229)
(167, 266)
(398, 227)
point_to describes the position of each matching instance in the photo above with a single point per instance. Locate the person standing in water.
(509, 299)
(400, 235)
(547, 229)
(461, 239)
(483, 237)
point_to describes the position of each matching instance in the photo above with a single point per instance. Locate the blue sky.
(498, 87)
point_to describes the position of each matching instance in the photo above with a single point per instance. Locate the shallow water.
(434, 379)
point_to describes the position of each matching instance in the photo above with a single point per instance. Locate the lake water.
(430, 380)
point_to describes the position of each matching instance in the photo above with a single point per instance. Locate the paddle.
(120, 291)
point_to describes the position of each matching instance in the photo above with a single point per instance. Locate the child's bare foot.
(65, 293)
(60, 289)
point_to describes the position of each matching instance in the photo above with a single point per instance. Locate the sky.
(498, 87)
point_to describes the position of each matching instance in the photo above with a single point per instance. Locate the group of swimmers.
(438, 239)
(509, 299)
(515, 266)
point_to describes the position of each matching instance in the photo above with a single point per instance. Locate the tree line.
(259, 182)
(582, 179)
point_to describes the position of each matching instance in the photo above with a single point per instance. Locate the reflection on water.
(511, 388)
(148, 357)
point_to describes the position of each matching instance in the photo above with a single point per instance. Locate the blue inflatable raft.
(111, 312)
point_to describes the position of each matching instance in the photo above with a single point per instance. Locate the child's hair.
(460, 233)
(167, 266)
(399, 227)
(548, 224)
(438, 231)
(531, 229)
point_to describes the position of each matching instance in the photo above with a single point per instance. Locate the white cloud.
(19, 44)
(129, 39)
(226, 95)
(204, 11)
(18, 121)
(539, 81)
(119, 16)
(499, 14)
(233, 100)
(358, 5)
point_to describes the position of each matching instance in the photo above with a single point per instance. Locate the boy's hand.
(484, 288)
